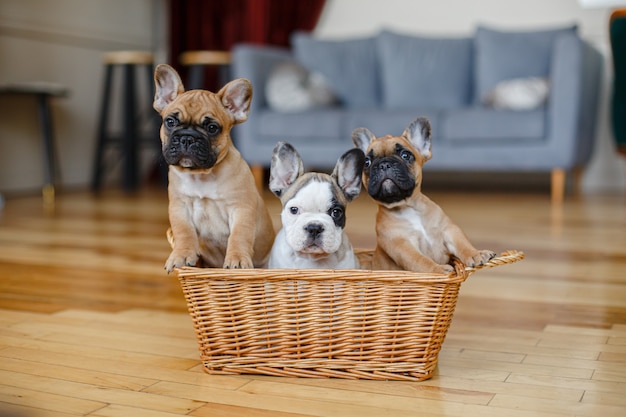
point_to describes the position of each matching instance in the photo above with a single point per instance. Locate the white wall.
(344, 18)
(63, 41)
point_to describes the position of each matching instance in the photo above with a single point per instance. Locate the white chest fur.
(197, 185)
(424, 233)
(209, 212)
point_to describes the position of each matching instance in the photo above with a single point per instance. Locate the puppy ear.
(168, 86)
(236, 96)
(361, 137)
(285, 168)
(418, 133)
(347, 172)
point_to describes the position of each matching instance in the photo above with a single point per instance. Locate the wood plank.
(571, 383)
(94, 394)
(153, 370)
(74, 374)
(13, 410)
(501, 369)
(116, 410)
(608, 398)
(574, 363)
(222, 410)
(42, 347)
(556, 406)
(46, 401)
(291, 403)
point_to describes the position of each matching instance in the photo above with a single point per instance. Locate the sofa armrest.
(593, 70)
(255, 62)
(575, 76)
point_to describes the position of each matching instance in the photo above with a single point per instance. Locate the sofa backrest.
(424, 72)
(400, 71)
(391, 70)
(508, 55)
(350, 66)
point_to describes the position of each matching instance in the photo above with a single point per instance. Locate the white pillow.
(292, 88)
(519, 94)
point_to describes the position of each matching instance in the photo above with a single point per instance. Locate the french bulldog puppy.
(217, 217)
(413, 233)
(314, 211)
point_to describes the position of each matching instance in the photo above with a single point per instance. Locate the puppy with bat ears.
(413, 233)
(314, 210)
(217, 217)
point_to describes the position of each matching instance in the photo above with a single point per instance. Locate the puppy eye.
(171, 122)
(293, 210)
(211, 127)
(406, 155)
(368, 162)
(336, 213)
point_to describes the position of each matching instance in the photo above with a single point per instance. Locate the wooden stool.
(130, 62)
(42, 92)
(198, 61)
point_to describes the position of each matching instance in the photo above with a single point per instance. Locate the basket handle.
(508, 257)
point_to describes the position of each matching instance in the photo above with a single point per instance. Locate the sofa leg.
(578, 181)
(257, 172)
(558, 185)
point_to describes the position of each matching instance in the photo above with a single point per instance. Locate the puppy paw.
(444, 269)
(479, 258)
(238, 262)
(178, 259)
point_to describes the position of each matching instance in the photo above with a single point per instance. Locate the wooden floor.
(90, 324)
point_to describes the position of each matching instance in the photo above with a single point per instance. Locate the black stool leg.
(224, 75)
(130, 139)
(154, 132)
(102, 129)
(47, 135)
(195, 77)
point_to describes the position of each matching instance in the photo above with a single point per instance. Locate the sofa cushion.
(291, 88)
(519, 94)
(503, 56)
(424, 72)
(324, 124)
(388, 122)
(477, 124)
(350, 66)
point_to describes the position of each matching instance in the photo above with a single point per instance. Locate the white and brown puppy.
(217, 217)
(314, 210)
(413, 233)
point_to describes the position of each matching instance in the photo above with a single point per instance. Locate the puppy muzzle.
(390, 180)
(314, 236)
(314, 242)
(189, 148)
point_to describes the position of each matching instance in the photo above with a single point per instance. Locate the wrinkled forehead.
(315, 190)
(195, 106)
(388, 145)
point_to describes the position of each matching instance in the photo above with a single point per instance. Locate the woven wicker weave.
(358, 324)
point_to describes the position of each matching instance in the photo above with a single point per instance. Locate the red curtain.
(219, 24)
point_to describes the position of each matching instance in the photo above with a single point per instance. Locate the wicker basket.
(357, 324)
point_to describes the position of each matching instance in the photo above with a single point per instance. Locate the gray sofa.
(383, 82)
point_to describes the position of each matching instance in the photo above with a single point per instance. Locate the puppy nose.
(384, 166)
(186, 140)
(314, 229)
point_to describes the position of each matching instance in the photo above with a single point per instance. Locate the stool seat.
(128, 57)
(205, 58)
(42, 91)
(128, 140)
(199, 60)
(34, 87)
